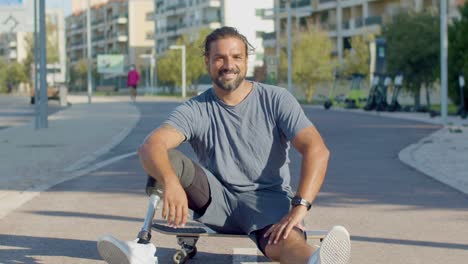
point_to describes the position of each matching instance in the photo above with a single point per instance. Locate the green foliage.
(458, 55)
(3, 75)
(413, 49)
(52, 42)
(311, 60)
(15, 74)
(11, 75)
(356, 59)
(79, 74)
(169, 66)
(52, 48)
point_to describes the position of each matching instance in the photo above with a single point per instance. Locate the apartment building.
(13, 46)
(343, 19)
(117, 27)
(177, 17)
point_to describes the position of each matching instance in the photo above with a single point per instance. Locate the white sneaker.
(115, 251)
(335, 248)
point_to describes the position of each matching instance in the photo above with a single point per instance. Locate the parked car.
(52, 94)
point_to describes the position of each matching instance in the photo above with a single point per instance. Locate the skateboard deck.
(205, 231)
(191, 231)
(187, 238)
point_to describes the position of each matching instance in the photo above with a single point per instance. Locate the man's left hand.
(282, 229)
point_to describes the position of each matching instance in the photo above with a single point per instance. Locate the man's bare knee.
(295, 240)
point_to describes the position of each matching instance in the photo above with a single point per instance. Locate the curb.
(408, 157)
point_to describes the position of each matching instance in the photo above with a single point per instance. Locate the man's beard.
(229, 85)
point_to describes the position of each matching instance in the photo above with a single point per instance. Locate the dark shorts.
(225, 211)
(249, 213)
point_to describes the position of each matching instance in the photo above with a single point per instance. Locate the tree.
(79, 74)
(169, 69)
(169, 66)
(413, 50)
(3, 75)
(195, 59)
(15, 75)
(52, 43)
(458, 55)
(311, 59)
(356, 59)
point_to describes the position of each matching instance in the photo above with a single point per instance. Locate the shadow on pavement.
(410, 242)
(100, 216)
(27, 246)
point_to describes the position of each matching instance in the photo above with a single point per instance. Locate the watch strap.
(297, 200)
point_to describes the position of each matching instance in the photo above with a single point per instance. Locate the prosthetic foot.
(139, 251)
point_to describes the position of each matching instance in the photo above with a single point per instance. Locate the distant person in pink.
(132, 81)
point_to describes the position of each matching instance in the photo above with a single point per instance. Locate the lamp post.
(181, 47)
(443, 60)
(88, 44)
(154, 62)
(36, 68)
(43, 122)
(289, 48)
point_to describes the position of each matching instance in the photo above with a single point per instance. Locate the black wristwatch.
(297, 200)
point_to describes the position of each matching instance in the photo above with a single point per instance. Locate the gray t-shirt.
(244, 146)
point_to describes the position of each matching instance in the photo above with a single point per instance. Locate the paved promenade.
(34, 160)
(442, 155)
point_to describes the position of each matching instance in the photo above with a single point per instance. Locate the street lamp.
(443, 60)
(289, 48)
(88, 45)
(181, 47)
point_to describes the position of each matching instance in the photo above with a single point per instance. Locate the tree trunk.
(428, 96)
(309, 93)
(417, 98)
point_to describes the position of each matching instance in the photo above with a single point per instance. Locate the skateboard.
(187, 238)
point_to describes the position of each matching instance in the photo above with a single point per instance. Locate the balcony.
(346, 25)
(301, 3)
(298, 3)
(97, 21)
(171, 28)
(211, 20)
(120, 18)
(174, 6)
(269, 36)
(122, 38)
(359, 22)
(13, 55)
(373, 20)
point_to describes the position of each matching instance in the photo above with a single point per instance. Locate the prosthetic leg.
(139, 251)
(155, 193)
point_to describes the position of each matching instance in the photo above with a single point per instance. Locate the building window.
(260, 12)
(150, 35)
(150, 16)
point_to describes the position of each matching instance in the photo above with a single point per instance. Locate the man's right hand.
(175, 208)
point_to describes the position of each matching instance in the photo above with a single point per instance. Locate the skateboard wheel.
(192, 253)
(180, 257)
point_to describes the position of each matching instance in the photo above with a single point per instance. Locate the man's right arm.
(154, 152)
(154, 158)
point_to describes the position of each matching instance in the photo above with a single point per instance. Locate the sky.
(62, 4)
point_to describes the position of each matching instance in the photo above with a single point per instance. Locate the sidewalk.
(33, 161)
